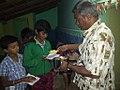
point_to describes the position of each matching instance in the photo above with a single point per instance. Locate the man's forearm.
(73, 46)
(82, 70)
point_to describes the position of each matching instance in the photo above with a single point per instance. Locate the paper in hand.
(33, 82)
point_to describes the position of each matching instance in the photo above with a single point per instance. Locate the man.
(94, 68)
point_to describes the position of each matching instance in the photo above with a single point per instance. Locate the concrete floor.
(59, 83)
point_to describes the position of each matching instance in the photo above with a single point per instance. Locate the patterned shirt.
(13, 70)
(97, 55)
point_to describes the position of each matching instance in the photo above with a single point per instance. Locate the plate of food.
(52, 54)
(53, 51)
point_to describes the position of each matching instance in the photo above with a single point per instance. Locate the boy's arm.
(6, 82)
(28, 59)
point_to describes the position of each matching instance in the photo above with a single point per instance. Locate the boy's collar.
(37, 42)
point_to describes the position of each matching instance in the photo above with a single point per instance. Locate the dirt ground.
(59, 83)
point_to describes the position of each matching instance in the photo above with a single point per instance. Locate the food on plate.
(61, 58)
(53, 51)
(64, 58)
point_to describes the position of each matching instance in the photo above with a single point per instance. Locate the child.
(34, 54)
(11, 70)
(72, 55)
(26, 35)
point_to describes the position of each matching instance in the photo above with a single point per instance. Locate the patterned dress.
(97, 55)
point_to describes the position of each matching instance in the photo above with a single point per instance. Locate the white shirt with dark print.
(97, 55)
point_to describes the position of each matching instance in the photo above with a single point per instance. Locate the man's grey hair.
(84, 7)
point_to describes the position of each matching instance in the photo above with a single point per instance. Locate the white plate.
(52, 56)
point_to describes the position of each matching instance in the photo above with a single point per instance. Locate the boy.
(11, 70)
(34, 54)
(26, 35)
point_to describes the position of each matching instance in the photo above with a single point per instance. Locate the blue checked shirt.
(13, 70)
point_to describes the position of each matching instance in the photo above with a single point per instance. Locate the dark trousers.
(45, 82)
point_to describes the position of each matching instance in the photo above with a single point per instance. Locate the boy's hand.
(28, 79)
(45, 58)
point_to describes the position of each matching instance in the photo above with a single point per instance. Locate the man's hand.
(64, 65)
(62, 48)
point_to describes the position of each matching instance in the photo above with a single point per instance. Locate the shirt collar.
(37, 42)
(93, 27)
(19, 58)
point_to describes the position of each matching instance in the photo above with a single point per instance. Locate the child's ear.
(36, 32)
(5, 50)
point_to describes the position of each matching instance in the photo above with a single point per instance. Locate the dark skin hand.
(68, 46)
(45, 58)
(78, 69)
(6, 82)
(28, 79)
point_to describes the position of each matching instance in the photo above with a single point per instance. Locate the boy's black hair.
(26, 32)
(42, 25)
(6, 40)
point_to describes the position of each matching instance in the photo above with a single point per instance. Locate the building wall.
(50, 15)
(113, 21)
(1, 29)
(67, 28)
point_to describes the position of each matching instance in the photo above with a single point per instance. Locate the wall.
(1, 34)
(13, 26)
(50, 15)
(113, 21)
(65, 15)
(7, 28)
(1, 29)
(67, 30)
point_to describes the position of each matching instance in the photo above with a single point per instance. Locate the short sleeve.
(3, 69)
